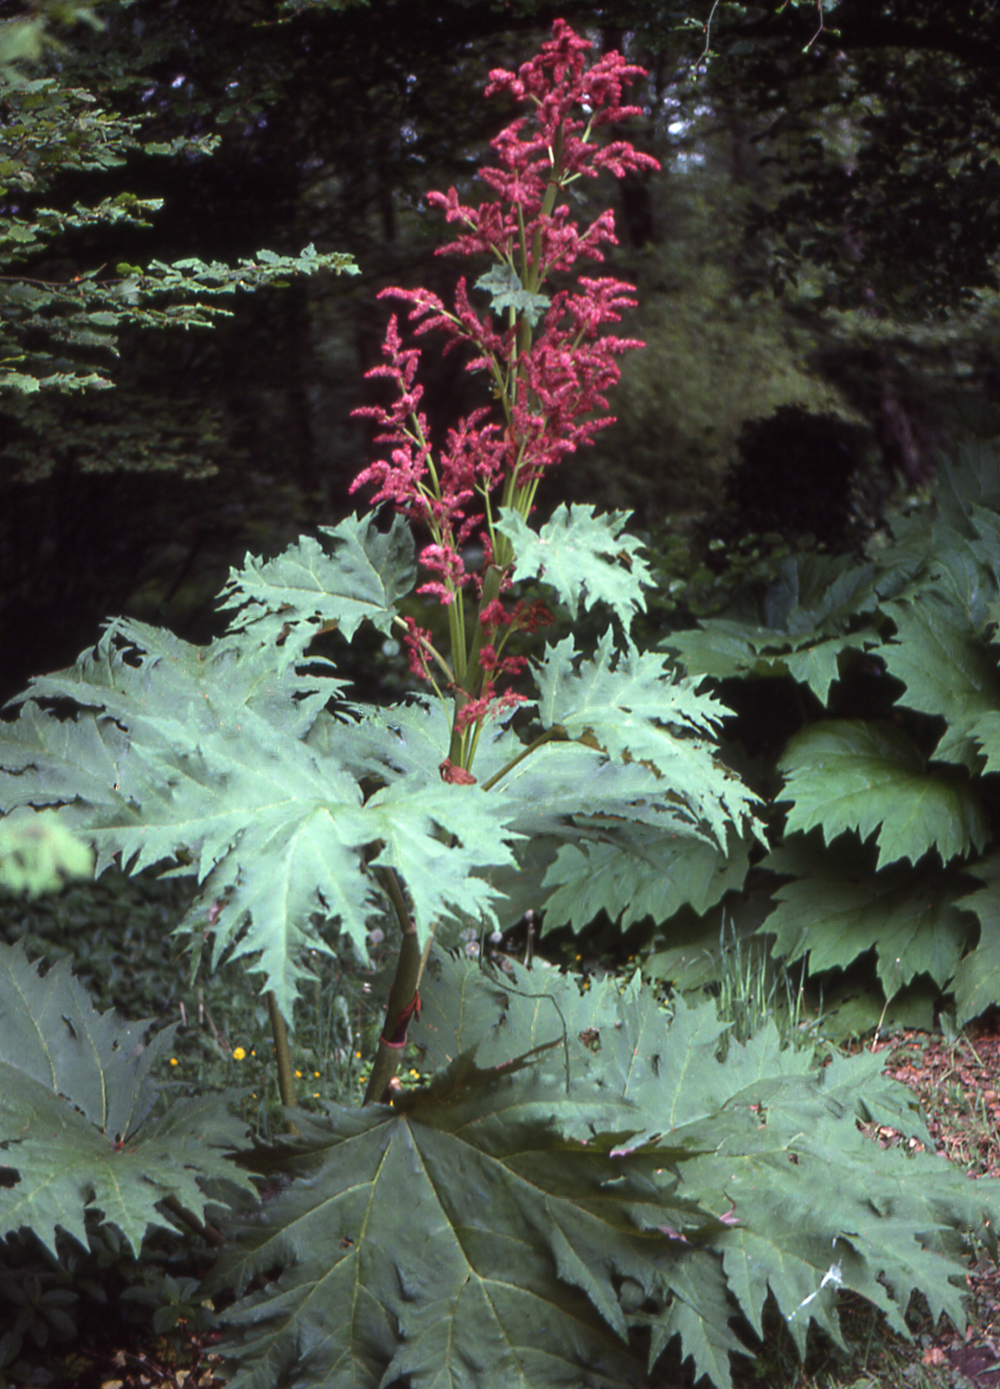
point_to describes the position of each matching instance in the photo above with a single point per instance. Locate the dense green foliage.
(595, 1136)
(77, 1094)
(153, 712)
(226, 762)
(884, 793)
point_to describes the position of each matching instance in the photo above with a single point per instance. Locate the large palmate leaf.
(815, 1207)
(948, 670)
(808, 618)
(768, 1132)
(623, 812)
(635, 709)
(650, 873)
(838, 907)
(199, 755)
(513, 1222)
(586, 558)
(76, 1137)
(456, 1238)
(353, 573)
(869, 777)
(977, 980)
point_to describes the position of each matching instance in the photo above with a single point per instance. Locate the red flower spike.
(553, 383)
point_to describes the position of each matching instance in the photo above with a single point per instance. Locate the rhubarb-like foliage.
(305, 816)
(78, 1137)
(900, 793)
(557, 1215)
(587, 1177)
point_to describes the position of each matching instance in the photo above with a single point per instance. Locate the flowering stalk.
(548, 364)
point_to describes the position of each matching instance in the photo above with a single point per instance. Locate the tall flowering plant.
(581, 1180)
(543, 351)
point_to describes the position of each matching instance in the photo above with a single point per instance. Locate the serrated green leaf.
(815, 1206)
(200, 755)
(977, 980)
(440, 837)
(869, 777)
(648, 873)
(510, 1276)
(839, 907)
(587, 558)
(985, 730)
(637, 710)
(809, 619)
(544, 1234)
(353, 573)
(564, 788)
(947, 669)
(506, 292)
(75, 1098)
(726, 648)
(700, 1315)
(50, 1031)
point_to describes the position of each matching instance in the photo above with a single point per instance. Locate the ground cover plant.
(590, 1180)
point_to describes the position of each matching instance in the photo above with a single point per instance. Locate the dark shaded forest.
(816, 266)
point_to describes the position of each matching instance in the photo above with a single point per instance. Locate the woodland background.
(816, 264)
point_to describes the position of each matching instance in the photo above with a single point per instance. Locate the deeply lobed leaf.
(517, 1220)
(75, 1103)
(587, 558)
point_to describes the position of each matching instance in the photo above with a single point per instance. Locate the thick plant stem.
(402, 996)
(286, 1075)
(208, 1232)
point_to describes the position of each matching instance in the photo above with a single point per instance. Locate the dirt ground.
(958, 1084)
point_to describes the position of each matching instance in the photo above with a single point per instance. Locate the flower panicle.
(547, 358)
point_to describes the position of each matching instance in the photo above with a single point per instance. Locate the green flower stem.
(469, 687)
(286, 1074)
(465, 650)
(409, 969)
